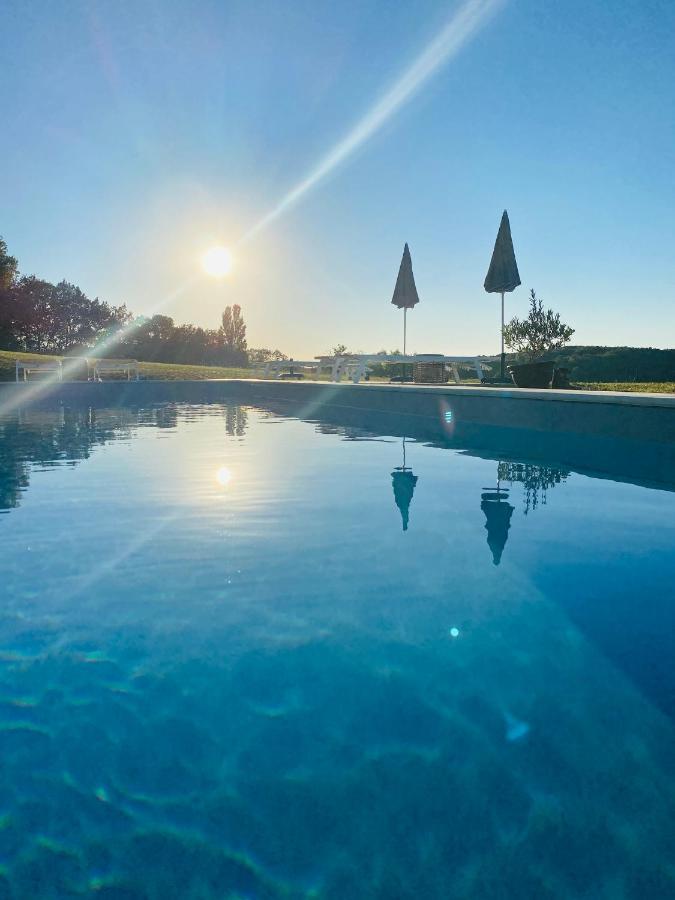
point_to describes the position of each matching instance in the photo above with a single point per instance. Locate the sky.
(315, 138)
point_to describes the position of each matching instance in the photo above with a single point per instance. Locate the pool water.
(247, 655)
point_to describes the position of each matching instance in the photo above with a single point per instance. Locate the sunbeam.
(463, 25)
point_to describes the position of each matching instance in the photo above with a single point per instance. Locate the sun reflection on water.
(224, 476)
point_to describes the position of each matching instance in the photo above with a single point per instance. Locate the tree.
(31, 305)
(79, 322)
(542, 331)
(234, 328)
(339, 350)
(8, 267)
(42, 317)
(263, 355)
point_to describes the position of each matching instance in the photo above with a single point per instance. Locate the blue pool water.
(246, 655)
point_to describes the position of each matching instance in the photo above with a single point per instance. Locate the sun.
(217, 262)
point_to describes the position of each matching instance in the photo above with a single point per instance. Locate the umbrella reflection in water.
(403, 481)
(498, 511)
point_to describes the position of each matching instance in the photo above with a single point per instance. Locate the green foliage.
(8, 267)
(234, 329)
(263, 355)
(159, 339)
(41, 317)
(628, 365)
(541, 333)
(339, 350)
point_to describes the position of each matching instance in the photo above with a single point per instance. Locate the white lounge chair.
(275, 368)
(127, 367)
(24, 368)
(355, 366)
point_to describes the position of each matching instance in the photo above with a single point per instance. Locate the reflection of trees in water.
(49, 437)
(236, 421)
(537, 480)
(13, 480)
(346, 432)
(45, 438)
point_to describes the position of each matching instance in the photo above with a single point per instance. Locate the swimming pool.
(246, 654)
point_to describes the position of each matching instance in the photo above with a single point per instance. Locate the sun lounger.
(24, 368)
(126, 367)
(356, 366)
(288, 368)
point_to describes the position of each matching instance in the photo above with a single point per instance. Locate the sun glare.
(224, 476)
(217, 262)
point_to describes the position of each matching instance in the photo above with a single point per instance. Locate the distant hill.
(611, 363)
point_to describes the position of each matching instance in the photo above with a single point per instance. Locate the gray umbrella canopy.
(502, 275)
(405, 292)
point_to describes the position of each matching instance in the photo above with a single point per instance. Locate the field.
(149, 370)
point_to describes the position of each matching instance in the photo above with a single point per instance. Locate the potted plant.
(532, 338)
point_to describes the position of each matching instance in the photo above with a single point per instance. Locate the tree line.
(39, 317)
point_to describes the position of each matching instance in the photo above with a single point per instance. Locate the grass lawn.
(150, 370)
(647, 387)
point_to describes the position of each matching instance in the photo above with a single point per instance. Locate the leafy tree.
(31, 311)
(263, 355)
(77, 321)
(339, 350)
(8, 267)
(542, 331)
(234, 328)
(42, 317)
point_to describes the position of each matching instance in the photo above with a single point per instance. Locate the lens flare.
(467, 20)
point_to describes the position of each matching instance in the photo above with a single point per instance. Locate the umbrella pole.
(405, 368)
(502, 333)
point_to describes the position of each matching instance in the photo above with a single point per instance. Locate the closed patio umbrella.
(405, 292)
(502, 276)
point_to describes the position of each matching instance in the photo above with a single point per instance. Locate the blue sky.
(140, 132)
